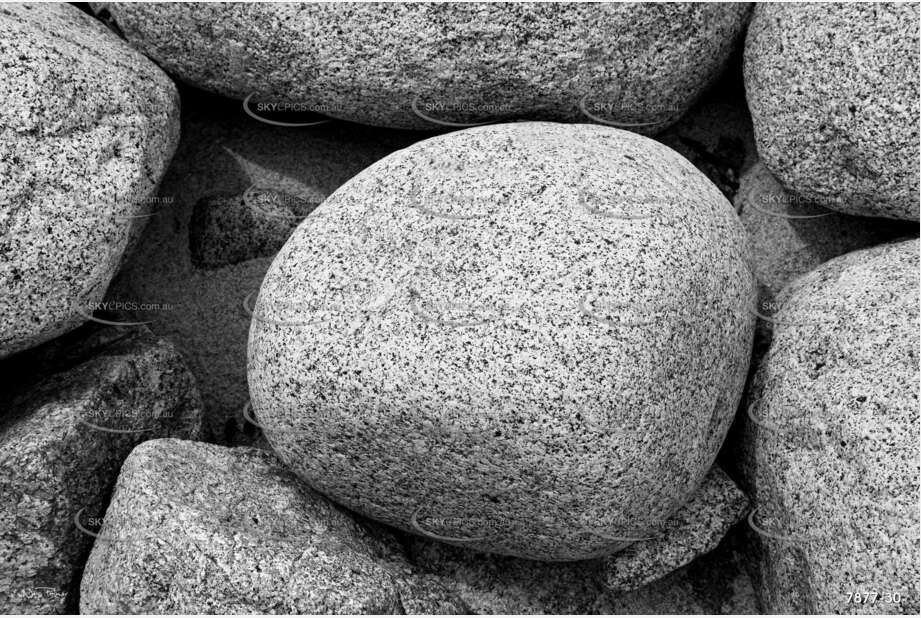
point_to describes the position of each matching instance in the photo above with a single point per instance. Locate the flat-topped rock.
(197, 528)
(526, 339)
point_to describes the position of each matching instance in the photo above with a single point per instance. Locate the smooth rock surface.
(62, 440)
(428, 65)
(226, 157)
(527, 339)
(87, 128)
(197, 528)
(697, 528)
(832, 439)
(833, 92)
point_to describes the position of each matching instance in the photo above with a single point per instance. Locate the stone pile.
(459, 308)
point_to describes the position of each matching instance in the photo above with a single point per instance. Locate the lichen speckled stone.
(831, 439)
(87, 127)
(204, 269)
(527, 339)
(426, 65)
(833, 92)
(62, 441)
(695, 529)
(196, 528)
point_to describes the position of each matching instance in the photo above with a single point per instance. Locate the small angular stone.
(694, 530)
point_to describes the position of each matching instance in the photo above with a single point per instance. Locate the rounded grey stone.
(833, 92)
(87, 128)
(527, 339)
(831, 439)
(429, 65)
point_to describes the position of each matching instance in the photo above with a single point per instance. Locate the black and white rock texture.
(428, 66)
(831, 439)
(715, 583)
(527, 339)
(697, 528)
(235, 190)
(833, 92)
(62, 441)
(791, 236)
(87, 127)
(196, 528)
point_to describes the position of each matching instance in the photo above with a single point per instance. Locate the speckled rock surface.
(832, 439)
(62, 440)
(833, 91)
(198, 528)
(791, 236)
(527, 339)
(225, 157)
(696, 529)
(715, 583)
(426, 65)
(227, 230)
(87, 127)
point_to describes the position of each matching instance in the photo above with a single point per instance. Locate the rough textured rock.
(527, 339)
(831, 439)
(225, 153)
(833, 91)
(427, 65)
(791, 236)
(715, 583)
(86, 130)
(227, 230)
(696, 529)
(62, 440)
(198, 528)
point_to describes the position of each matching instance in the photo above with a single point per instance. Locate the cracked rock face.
(832, 439)
(426, 66)
(62, 440)
(525, 339)
(196, 528)
(833, 92)
(87, 128)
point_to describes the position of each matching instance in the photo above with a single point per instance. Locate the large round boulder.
(527, 339)
(87, 128)
(833, 92)
(831, 443)
(428, 65)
